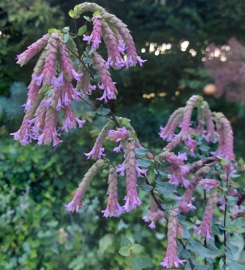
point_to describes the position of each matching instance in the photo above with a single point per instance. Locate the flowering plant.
(204, 141)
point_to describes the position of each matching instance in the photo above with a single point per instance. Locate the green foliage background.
(35, 182)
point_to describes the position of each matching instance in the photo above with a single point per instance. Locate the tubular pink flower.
(32, 50)
(97, 150)
(171, 259)
(131, 198)
(110, 90)
(204, 229)
(121, 168)
(80, 192)
(209, 184)
(113, 207)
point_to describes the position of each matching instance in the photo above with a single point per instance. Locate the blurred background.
(191, 47)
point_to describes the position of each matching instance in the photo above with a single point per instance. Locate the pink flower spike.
(76, 75)
(140, 61)
(38, 79)
(80, 122)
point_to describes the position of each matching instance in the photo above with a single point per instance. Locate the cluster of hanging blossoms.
(57, 80)
(204, 162)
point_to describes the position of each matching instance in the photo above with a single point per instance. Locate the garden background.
(36, 231)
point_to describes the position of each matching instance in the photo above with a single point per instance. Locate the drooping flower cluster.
(171, 259)
(50, 92)
(80, 191)
(204, 229)
(113, 207)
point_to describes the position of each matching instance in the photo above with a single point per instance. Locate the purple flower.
(129, 62)
(57, 82)
(59, 105)
(38, 79)
(87, 38)
(121, 168)
(27, 105)
(40, 139)
(76, 75)
(139, 171)
(121, 47)
(16, 135)
(80, 122)
(117, 149)
(140, 61)
(66, 100)
(88, 155)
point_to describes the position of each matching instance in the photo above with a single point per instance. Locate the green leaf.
(66, 37)
(87, 18)
(231, 201)
(105, 111)
(97, 12)
(124, 251)
(144, 162)
(232, 175)
(188, 267)
(82, 30)
(141, 152)
(52, 30)
(202, 122)
(236, 266)
(234, 249)
(146, 262)
(185, 254)
(136, 263)
(199, 249)
(167, 188)
(87, 60)
(163, 173)
(204, 148)
(136, 248)
(72, 14)
(202, 267)
(66, 29)
(125, 241)
(146, 188)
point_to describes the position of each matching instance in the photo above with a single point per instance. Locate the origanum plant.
(198, 158)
